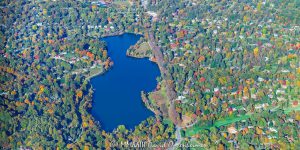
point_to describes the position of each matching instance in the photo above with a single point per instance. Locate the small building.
(232, 130)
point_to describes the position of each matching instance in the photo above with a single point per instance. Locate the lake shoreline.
(150, 58)
(96, 74)
(118, 33)
(123, 84)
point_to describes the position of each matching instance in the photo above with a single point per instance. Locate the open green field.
(230, 120)
(195, 129)
(167, 121)
(121, 3)
(226, 121)
(162, 92)
(288, 110)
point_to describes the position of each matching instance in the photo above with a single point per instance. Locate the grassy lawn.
(163, 91)
(122, 4)
(144, 47)
(159, 99)
(162, 94)
(195, 129)
(167, 121)
(288, 110)
(95, 71)
(142, 50)
(230, 120)
(226, 121)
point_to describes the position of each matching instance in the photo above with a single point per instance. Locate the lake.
(117, 96)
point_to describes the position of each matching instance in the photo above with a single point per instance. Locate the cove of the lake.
(117, 96)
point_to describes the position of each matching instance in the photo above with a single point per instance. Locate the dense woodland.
(49, 52)
(234, 65)
(233, 59)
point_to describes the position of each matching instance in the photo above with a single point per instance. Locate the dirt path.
(170, 88)
(162, 66)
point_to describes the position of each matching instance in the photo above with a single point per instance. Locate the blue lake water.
(117, 96)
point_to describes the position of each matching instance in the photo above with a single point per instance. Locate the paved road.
(178, 138)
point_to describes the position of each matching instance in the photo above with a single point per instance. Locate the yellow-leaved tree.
(256, 51)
